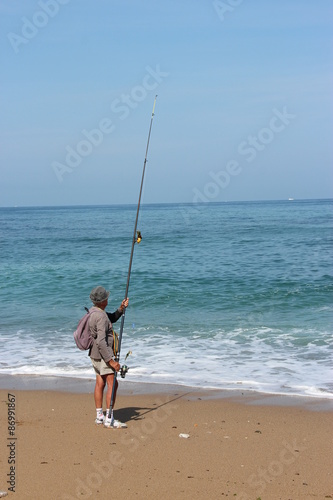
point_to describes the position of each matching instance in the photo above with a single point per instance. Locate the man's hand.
(115, 365)
(124, 304)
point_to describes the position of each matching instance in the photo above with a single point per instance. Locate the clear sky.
(244, 107)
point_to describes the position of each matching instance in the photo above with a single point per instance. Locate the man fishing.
(103, 353)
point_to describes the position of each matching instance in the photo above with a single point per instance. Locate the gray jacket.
(101, 330)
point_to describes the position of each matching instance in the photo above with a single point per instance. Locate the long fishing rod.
(136, 239)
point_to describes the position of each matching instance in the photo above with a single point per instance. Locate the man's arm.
(104, 350)
(113, 317)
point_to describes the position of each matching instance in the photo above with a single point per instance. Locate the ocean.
(234, 296)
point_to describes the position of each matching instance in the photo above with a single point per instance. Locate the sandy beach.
(180, 443)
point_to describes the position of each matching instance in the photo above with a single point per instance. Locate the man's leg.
(109, 381)
(115, 423)
(99, 389)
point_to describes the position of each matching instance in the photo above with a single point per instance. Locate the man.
(102, 353)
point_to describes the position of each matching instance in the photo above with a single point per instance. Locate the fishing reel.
(123, 371)
(138, 237)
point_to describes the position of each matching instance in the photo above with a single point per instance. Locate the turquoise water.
(225, 295)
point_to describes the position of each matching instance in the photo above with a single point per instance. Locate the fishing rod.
(136, 239)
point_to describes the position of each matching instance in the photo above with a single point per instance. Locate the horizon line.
(189, 203)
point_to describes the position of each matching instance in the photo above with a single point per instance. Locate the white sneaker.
(100, 420)
(114, 424)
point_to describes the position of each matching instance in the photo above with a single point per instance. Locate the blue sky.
(244, 107)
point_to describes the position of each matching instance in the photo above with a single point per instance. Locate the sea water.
(222, 295)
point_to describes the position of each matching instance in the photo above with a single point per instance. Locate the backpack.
(82, 335)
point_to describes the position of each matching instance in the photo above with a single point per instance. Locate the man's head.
(99, 295)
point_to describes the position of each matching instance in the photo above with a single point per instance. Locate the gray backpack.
(82, 335)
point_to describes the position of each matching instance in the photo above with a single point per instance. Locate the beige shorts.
(100, 367)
